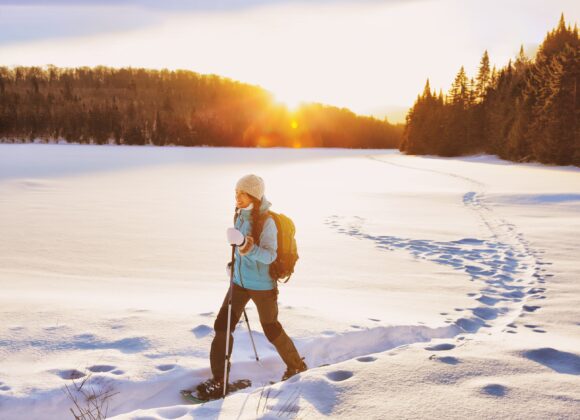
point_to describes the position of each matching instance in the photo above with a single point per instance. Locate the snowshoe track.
(509, 271)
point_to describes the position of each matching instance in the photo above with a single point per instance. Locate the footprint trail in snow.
(509, 271)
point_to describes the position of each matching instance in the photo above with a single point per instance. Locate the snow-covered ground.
(429, 287)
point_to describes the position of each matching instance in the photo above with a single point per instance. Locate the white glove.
(235, 237)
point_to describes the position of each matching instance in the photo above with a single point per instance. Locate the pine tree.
(471, 92)
(494, 76)
(484, 78)
(522, 61)
(458, 94)
(427, 90)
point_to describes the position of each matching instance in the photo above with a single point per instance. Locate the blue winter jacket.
(252, 271)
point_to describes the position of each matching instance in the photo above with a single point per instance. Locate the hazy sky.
(372, 56)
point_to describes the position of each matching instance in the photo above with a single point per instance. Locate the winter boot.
(291, 371)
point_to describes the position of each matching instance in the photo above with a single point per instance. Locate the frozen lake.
(112, 265)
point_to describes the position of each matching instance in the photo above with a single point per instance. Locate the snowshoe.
(212, 390)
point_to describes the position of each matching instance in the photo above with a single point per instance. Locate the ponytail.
(257, 220)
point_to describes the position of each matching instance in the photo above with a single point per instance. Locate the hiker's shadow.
(319, 393)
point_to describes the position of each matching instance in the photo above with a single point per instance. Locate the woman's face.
(243, 200)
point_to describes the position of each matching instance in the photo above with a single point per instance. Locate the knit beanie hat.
(252, 185)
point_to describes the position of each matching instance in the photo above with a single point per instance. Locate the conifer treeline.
(527, 111)
(137, 106)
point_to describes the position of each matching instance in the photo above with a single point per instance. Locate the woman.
(251, 280)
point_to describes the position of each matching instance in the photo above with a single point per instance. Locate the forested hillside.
(161, 107)
(527, 111)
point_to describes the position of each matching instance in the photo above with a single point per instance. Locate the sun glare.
(288, 98)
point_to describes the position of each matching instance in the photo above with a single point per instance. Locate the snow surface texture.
(426, 287)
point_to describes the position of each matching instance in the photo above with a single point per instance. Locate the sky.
(371, 56)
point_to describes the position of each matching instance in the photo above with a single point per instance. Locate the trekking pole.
(251, 337)
(245, 314)
(231, 292)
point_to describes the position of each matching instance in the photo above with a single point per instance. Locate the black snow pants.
(266, 302)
